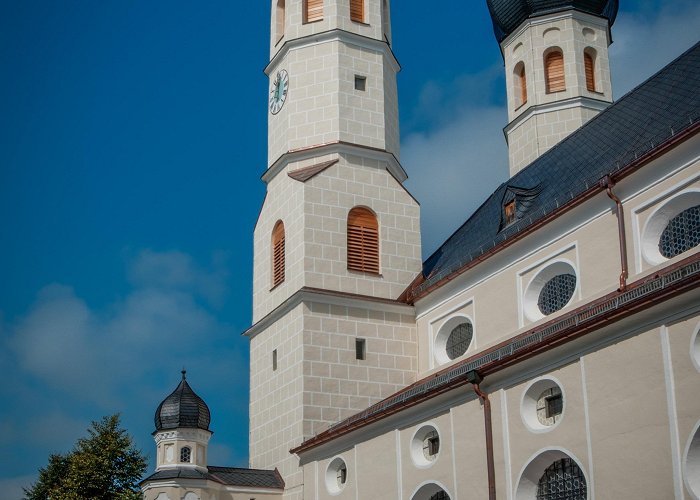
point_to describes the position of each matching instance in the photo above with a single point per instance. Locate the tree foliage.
(103, 465)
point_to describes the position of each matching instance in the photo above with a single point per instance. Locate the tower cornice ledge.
(332, 297)
(393, 165)
(334, 35)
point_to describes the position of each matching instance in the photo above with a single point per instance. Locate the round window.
(336, 475)
(543, 405)
(425, 446)
(672, 229)
(453, 339)
(681, 234)
(556, 293)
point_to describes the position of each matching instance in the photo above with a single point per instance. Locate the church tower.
(338, 237)
(557, 69)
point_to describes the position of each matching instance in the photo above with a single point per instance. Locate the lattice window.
(363, 241)
(554, 72)
(357, 10)
(550, 406)
(313, 10)
(563, 480)
(459, 340)
(681, 234)
(589, 64)
(278, 254)
(556, 293)
(440, 495)
(185, 455)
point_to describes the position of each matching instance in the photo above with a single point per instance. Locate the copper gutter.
(608, 184)
(579, 322)
(475, 379)
(639, 162)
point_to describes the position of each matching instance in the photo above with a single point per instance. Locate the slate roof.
(652, 114)
(230, 476)
(507, 15)
(182, 408)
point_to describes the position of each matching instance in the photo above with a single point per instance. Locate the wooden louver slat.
(357, 10)
(278, 254)
(590, 71)
(314, 10)
(523, 85)
(363, 241)
(554, 72)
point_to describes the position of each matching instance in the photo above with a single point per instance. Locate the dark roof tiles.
(230, 476)
(662, 107)
(182, 408)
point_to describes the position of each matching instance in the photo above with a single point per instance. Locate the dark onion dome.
(183, 408)
(507, 15)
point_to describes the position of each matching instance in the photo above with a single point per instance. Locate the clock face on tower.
(278, 91)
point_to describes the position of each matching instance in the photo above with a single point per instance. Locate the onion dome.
(183, 408)
(507, 15)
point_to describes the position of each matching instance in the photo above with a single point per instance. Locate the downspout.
(607, 183)
(474, 378)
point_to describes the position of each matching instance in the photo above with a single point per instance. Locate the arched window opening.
(357, 10)
(554, 71)
(280, 18)
(185, 455)
(278, 254)
(520, 81)
(313, 10)
(589, 64)
(691, 466)
(363, 241)
(563, 480)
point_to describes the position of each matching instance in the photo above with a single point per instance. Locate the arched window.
(357, 10)
(280, 19)
(363, 241)
(589, 64)
(313, 10)
(563, 480)
(554, 71)
(185, 455)
(278, 254)
(520, 82)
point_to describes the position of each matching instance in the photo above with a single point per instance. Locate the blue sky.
(132, 140)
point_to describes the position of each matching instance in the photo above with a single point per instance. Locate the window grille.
(341, 475)
(459, 340)
(440, 495)
(363, 241)
(556, 293)
(550, 405)
(563, 480)
(554, 72)
(431, 445)
(185, 454)
(278, 254)
(681, 234)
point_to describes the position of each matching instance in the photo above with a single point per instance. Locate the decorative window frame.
(443, 334)
(691, 463)
(416, 445)
(464, 309)
(331, 476)
(531, 294)
(426, 489)
(656, 223)
(528, 404)
(529, 477)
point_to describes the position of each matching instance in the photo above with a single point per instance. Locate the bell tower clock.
(338, 237)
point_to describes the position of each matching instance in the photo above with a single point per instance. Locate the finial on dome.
(184, 373)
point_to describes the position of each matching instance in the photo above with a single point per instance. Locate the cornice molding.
(539, 109)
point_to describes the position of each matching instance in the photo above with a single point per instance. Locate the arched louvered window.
(280, 18)
(278, 254)
(357, 10)
(363, 241)
(520, 84)
(554, 71)
(313, 10)
(589, 64)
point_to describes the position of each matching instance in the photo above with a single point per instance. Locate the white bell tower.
(338, 237)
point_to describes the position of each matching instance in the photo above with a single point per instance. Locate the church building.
(548, 349)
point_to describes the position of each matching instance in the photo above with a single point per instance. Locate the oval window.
(556, 293)
(681, 234)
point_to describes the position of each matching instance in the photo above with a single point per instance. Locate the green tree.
(103, 465)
